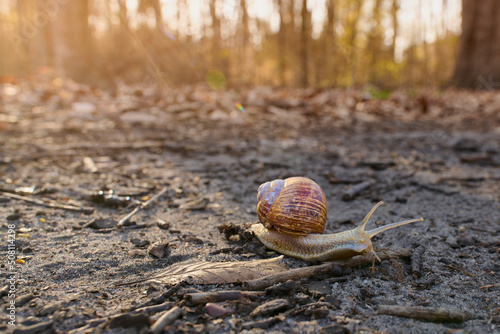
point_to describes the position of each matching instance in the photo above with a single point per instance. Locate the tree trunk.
(123, 15)
(394, 16)
(158, 16)
(282, 44)
(304, 41)
(353, 28)
(375, 44)
(28, 31)
(246, 47)
(330, 52)
(478, 60)
(216, 38)
(72, 41)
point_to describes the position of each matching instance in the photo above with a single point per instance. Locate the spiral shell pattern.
(296, 206)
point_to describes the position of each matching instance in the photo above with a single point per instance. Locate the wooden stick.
(153, 309)
(416, 261)
(323, 269)
(159, 299)
(166, 319)
(437, 314)
(451, 266)
(49, 203)
(350, 193)
(125, 219)
(490, 286)
(198, 298)
(116, 146)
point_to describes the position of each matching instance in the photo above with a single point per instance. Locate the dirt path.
(435, 156)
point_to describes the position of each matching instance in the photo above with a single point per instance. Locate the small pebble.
(159, 250)
(27, 250)
(139, 243)
(217, 311)
(321, 313)
(101, 223)
(466, 241)
(333, 329)
(193, 239)
(14, 216)
(320, 289)
(334, 301)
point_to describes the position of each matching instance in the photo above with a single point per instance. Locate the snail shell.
(296, 206)
(292, 215)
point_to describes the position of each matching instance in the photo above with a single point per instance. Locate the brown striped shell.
(296, 205)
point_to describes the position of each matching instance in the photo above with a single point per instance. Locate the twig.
(117, 146)
(460, 269)
(437, 314)
(294, 274)
(153, 309)
(350, 193)
(198, 298)
(167, 318)
(49, 203)
(161, 298)
(266, 323)
(416, 261)
(125, 219)
(490, 286)
(436, 188)
(322, 269)
(144, 308)
(45, 327)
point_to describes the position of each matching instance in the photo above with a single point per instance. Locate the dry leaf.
(219, 272)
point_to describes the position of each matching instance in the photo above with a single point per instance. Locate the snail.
(292, 217)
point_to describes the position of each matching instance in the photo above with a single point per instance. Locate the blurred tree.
(349, 44)
(375, 43)
(246, 49)
(153, 5)
(183, 18)
(72, 42)
(394, 18)
(123, 15)
(478, 61)
(305, 34)
(282, 43)
(27, 30)
(329, 45)
(353, 20)
(291, 35)
(216, 37)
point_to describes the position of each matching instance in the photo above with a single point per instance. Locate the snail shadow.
(63, 272)
(140, 268)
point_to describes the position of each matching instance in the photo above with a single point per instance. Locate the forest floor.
(431, 154)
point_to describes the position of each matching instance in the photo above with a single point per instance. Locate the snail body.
(292, 218)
